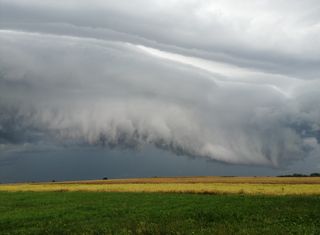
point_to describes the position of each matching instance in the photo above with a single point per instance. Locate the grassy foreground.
(156, 213)
(210, 185)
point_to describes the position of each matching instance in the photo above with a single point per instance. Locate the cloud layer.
(197, 78)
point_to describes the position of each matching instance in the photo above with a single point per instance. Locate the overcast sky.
(190, 87)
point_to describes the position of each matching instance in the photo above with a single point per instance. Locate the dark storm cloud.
(193, 77)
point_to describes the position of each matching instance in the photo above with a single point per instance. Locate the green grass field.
(156, 213)
(178, 205)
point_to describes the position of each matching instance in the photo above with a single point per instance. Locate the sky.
(92, 89)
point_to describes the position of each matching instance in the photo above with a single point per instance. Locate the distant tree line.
(301, 175)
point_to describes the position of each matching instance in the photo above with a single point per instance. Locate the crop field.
(210, 185)
(156, 213)
(200, 205)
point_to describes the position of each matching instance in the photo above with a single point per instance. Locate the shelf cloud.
(197, 78)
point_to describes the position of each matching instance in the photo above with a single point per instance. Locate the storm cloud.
(196, 78)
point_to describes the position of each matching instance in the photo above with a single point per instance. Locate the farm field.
(156, 213)
(179, 205)
(210, 185)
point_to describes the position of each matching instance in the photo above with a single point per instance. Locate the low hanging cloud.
(70, 79)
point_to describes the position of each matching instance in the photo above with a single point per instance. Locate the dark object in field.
(301, 175)
(105, 178)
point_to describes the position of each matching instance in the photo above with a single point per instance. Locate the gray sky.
(210, 87)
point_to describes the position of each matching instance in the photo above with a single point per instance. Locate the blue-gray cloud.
(202, 79)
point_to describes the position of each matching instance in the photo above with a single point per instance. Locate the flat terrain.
(156, 213)
(209, 185)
